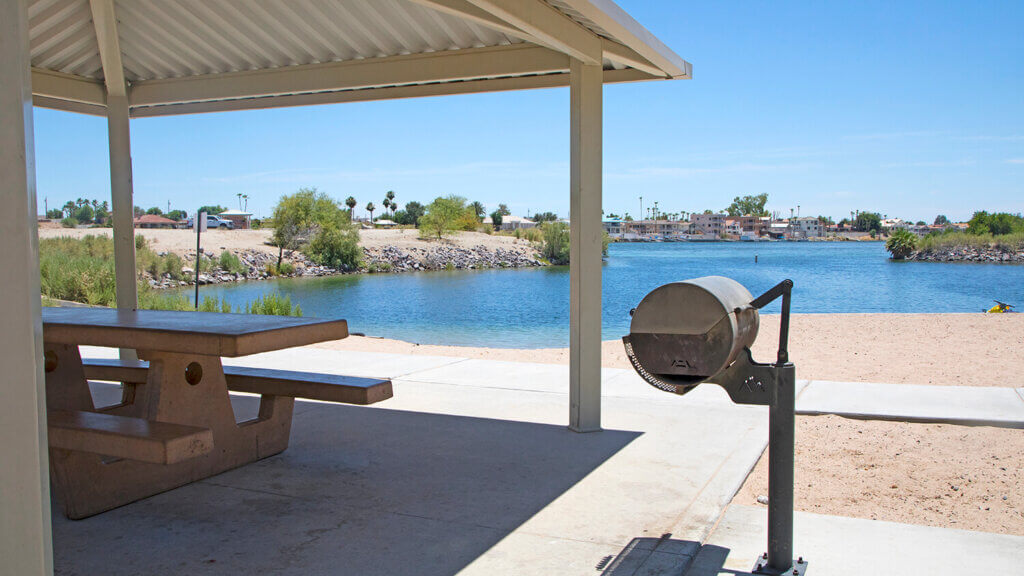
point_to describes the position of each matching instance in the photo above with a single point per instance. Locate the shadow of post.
(668, 557)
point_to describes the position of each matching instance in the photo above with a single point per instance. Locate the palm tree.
(351, 203)
(246, 198)
(239, 200)
(370, 208)
(387, 204)
(391, 198)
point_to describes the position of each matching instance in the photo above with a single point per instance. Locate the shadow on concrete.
(667, 557)
(359, 491)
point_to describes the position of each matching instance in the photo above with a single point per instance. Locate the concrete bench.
(128, 438)
(289, 383)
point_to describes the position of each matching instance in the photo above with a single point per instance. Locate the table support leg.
(182, 389)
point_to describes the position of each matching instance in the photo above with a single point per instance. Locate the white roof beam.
(610, 49)
(626, 56)
(68, 87)
(548, 25)
(390, 93)
(610, 17)
(449, 66)
(105, 21)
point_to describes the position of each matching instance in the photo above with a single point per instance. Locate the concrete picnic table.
(175, 423)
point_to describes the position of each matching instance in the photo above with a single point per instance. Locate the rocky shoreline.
(257, 264)
(969, 254)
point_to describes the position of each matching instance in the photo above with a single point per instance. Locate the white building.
(512, 222)
(807, 227)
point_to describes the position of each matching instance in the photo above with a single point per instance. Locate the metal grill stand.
(774, 385)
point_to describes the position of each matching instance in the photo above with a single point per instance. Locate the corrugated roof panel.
(175, 38)
(62, 37)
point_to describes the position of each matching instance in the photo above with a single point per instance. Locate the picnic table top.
(208, 333)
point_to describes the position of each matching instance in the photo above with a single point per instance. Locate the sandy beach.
(183, 242)
(938, 475)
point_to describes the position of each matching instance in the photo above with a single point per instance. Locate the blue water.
(529, 308)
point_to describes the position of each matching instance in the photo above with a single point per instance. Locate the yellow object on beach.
(1000, 308)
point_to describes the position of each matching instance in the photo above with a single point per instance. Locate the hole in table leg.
(194, 373)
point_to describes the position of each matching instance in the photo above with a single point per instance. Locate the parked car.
(213, 221)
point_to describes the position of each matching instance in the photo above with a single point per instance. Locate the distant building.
(807, 227)
(895, 224)
(708, 224)
(512, 222)
(733, 227)
(154, 221)
(613, 226)
(240, 218)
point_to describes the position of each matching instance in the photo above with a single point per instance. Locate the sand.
(941, 349)
(877, 470)
(183, 242)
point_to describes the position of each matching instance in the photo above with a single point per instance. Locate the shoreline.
(384, 251)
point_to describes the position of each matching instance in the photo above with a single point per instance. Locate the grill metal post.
(781, 447)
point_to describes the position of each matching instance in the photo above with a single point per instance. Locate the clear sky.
(909, 109)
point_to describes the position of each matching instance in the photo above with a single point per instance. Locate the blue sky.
(909, 109)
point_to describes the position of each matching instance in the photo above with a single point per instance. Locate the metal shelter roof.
(181, 56)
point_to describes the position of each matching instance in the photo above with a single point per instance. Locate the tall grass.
(948, 240)
(82, 270)
(272, 304)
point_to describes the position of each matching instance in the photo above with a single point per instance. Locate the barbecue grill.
(686, 333)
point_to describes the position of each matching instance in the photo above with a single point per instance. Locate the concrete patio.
(470, 469)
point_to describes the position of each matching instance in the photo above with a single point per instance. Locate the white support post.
(121, 201)
(585, 86)
(25, 542)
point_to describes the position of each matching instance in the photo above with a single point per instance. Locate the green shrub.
(901, 243)
(69, 222)
(285, 269)
(337, 247)
(172, 266)
(272, 304)
(555, 242)
(231, 263)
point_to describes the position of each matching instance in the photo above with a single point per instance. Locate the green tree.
(311, 218)
(413, 212)
(351, 203)
(478, 211)
(370, 208)
(901, 243)
(503, 208)
(868, 222)
(442, 216)
(941, 220)
(155, 210)
(212, 209)
(390, 196)
(748, 205)
(84, 213)
(54, 213)
(545, 217)
(496, 219)
(177, 215)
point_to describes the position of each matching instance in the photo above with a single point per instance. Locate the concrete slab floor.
(438, 480)
(853, 547)
(963, 405)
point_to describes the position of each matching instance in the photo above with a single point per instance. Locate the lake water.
(529, 308)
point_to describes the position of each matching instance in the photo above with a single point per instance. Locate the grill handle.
(784, 289)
